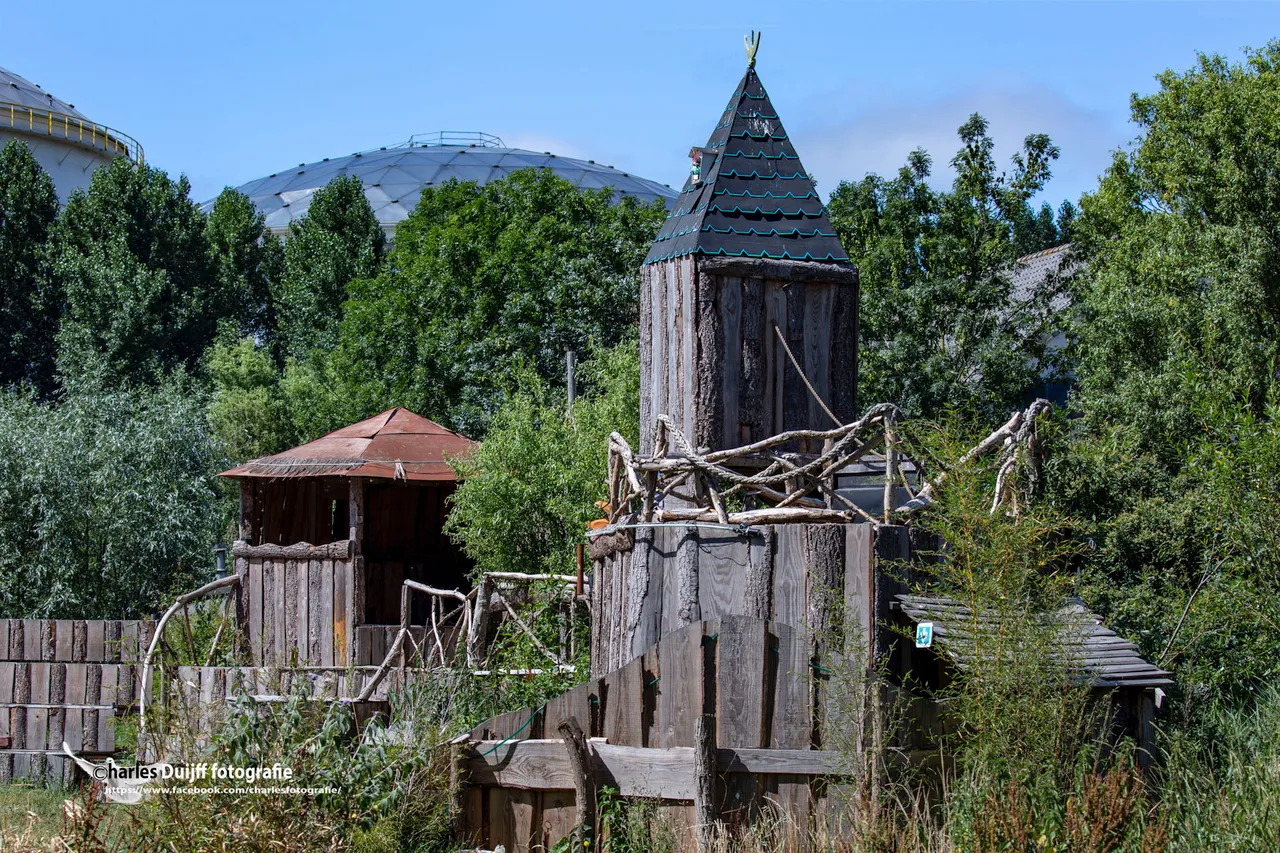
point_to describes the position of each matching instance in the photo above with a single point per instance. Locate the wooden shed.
(330, 530)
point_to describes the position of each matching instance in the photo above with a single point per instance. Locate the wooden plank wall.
(711, 361)
(753, 675)
(678, 574)
(64, 681)
(297, 608)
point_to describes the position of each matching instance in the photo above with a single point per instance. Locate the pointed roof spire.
(748, 194)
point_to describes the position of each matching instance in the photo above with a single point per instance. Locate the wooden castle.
(743, 583)
(746, 587)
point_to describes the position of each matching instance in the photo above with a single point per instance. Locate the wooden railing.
(678, 483)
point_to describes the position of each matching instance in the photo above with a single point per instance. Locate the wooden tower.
(747, 250)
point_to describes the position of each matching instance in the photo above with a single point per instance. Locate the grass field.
(29, 816)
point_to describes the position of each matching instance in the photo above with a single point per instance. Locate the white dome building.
(394, 177)
(64, 141)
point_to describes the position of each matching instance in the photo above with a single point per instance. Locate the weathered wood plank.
(647, 274)
(95, 640)
(680, 690)
(790, 591)
(723, 560)
(752, 382)
(342, 549)
(775, 315)
(819, 299)
(708, 424)
(280, 613)
(255, 609)
(326, 614)
(667, 774)
(658, 366)
(64, 635)
(674, 348)
(844, 353)
(731, 356)
(341, 614)
(315, 611)
(688, 340)
(795, 401)
(32, 637)
(624, 722)
(292, 654)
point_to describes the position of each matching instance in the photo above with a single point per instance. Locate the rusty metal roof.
(395, 445)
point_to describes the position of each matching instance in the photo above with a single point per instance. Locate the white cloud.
(877, 137)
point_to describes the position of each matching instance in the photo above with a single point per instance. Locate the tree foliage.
(483, 277)
(338, 240)
(246, 260)
(1178, 333)
(132, 260)
(107, 500)
(940, 326)
(28, 294)
(529, 491)
(249, 415)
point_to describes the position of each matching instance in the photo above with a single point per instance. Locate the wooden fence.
(765, 698)
(675, 574)
(299, 602)
(74, 640)
(64, 681)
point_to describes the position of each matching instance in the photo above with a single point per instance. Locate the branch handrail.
(182, 601)
(799, 486)
(469, 619)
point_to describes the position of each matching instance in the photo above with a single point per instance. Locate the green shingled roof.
(753, 198)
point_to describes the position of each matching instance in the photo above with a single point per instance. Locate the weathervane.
(752, 44)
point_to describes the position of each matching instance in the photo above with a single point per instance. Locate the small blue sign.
(924, 635)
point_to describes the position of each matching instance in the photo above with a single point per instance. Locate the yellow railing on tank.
(72, 128)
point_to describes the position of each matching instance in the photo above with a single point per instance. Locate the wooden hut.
(330, 530)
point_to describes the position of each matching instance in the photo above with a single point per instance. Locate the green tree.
(29, 303)
(109, 504)
(246, 261)
(1178, 343)
(132, 259)
(528, 493)
(338, 240)
(480, 278)
(940, 326)
(249, 415)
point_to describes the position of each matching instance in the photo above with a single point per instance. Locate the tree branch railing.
(182, 601)
(474, 610)
(777, 486)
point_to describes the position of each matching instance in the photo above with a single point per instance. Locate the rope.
(803, 378)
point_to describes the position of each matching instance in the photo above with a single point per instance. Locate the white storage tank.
(66, 143)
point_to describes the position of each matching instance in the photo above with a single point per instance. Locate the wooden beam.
(634, 771)
(341, 550)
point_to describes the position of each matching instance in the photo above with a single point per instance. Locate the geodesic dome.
(395, 176)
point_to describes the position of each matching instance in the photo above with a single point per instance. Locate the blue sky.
(230, 91)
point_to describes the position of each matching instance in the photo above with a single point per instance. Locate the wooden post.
(705, 770)
(584, 791)
(248, 488)
(404, 628)
(358, 582)
(890, 463)
(479, 623)
(578, 589)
